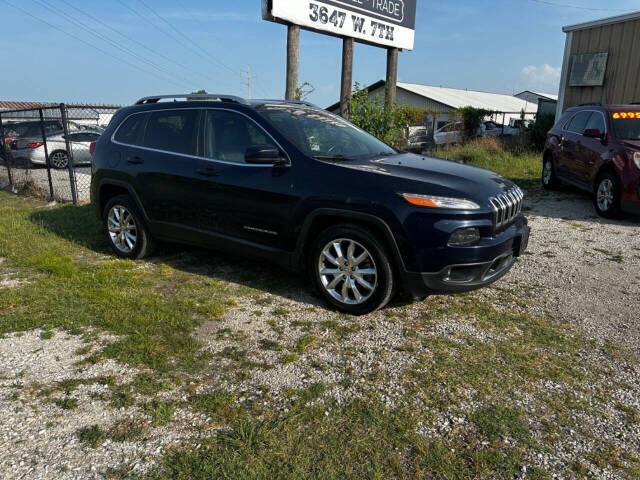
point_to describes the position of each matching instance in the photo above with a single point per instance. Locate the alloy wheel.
(122, 229)
(59, 160)
(347, 271)
(605, 195)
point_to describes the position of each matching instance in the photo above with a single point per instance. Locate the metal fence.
(45, 151)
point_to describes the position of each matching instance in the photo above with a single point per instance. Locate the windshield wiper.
(331, 157)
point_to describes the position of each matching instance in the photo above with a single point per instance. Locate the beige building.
(601, 62)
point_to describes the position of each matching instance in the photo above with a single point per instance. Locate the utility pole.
(249, 81)
(347, 77)
(293, 58)
(392, 75)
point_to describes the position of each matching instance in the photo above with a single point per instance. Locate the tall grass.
(508, 159)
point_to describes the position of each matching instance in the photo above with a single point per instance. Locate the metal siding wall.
(621, 85)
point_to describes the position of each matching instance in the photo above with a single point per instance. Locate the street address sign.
(388, 23)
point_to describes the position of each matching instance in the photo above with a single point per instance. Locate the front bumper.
(492, 263)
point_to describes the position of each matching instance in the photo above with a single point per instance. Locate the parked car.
(597, 148)
(418, 140)
(517, 126)
(451, 133)
(32, 149)
(491, 129)
(294, 184)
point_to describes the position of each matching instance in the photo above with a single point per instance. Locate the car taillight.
(36, 144)
(8, 140)
(92, 147)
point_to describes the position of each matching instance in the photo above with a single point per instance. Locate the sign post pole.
(347, 77)
(293, 61)
(392, 75)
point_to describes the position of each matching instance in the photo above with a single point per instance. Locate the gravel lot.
(579, 269)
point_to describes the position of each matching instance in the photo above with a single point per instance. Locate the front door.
(236, 199)
(589, 149)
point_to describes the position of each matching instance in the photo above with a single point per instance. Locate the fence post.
(6, 151)
(46, 153)
(72, 172)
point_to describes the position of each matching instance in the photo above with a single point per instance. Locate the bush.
(538, 132)
(472, 119)
(387, 122)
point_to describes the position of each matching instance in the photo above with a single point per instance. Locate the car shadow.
(79, 224)
(569, 203)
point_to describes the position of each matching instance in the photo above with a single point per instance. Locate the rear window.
(173, 131)
(131, 131)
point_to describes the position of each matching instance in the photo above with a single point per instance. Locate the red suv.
(597, 148)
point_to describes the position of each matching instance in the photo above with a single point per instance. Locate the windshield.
(321, 134)
(627, 128)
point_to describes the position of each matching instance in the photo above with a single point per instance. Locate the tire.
(607, 195)
(548, 179)
(344, 279)
(59, 159)
(125, 229)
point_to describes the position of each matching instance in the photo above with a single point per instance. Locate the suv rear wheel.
(351, 269)
(606, 196)
(549, 180)
(126, 232)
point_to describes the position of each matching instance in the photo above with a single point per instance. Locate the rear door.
(569, 163)
(236, 199)
(162, 165)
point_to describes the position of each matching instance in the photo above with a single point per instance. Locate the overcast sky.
(128, 49)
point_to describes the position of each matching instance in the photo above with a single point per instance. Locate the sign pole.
(347, 77)
(392, 75)
(293, 61)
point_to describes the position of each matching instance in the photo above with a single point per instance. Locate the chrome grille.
(507, 206)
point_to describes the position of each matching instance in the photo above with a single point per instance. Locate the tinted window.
(627, 128)
(596, 121)
(131, 131)
(228, 134)
(579, 122)
(173, 131)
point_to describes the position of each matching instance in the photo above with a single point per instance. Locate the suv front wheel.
(606, 196)
(351, 269)
(125, 229)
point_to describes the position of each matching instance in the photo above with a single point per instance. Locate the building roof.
(457, 98)
(18, 105)
(548, 96)
(604, 21)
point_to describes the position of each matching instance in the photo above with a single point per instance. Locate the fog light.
(464, 236)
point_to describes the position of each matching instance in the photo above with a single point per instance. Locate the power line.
(161, 30)
(106, 39)
(81, 40)
(187, 38)
(579, 7)
(131, 39)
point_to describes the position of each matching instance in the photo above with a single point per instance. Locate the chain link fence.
(46, 151)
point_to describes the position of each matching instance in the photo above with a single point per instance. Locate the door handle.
(208, 172)
(135, 160)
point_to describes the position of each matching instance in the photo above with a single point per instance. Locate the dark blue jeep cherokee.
(306, 189)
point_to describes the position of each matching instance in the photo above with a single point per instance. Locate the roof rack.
(590, 104)
(192, 96)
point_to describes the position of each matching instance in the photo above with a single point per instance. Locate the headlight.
(440, 202)
(636, 159)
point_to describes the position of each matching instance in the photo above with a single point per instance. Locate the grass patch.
(92, 436)
(66, 403)
(161, 412)
(521, 166)
(84, 288)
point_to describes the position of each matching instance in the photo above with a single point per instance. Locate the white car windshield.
(319, 134)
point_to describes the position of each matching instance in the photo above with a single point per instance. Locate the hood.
(635, 144)
(436, 176)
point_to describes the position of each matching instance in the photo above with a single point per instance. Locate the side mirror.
(592, 133)
(263, 155)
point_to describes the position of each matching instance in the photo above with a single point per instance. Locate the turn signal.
(433, 201)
